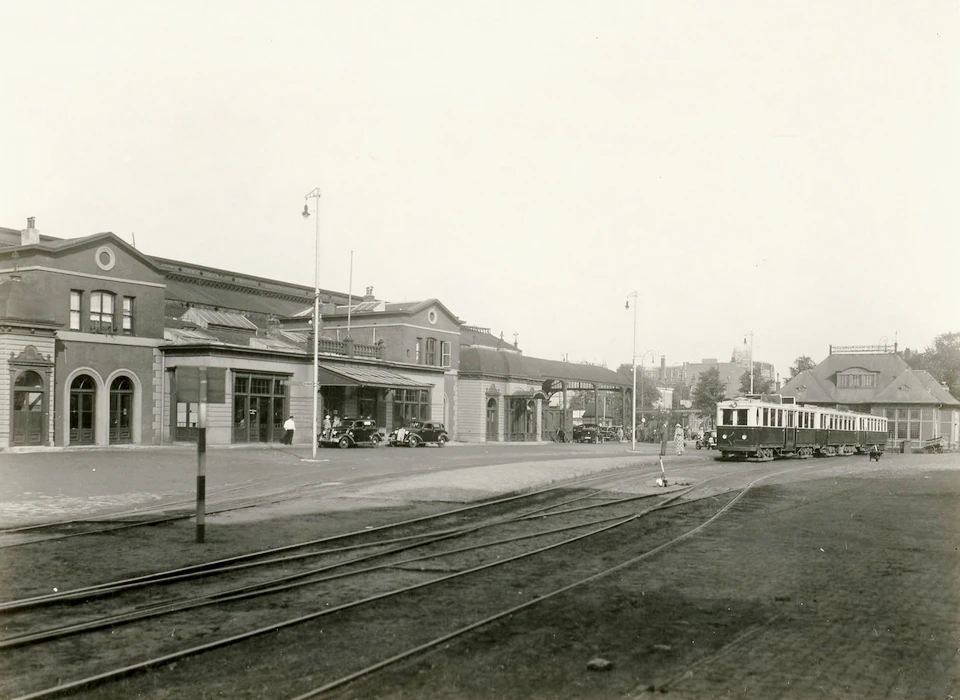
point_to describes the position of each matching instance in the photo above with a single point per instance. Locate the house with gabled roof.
(874, 379)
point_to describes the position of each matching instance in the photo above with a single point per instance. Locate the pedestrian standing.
(620, 433)
(290, 427)
(336, 419)
(678, 439)
(326, 427)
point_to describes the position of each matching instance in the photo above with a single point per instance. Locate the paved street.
(55, 485)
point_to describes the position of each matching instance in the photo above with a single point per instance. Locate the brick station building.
(92, 332)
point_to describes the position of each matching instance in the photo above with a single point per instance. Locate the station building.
(93, 331)
(877, 380)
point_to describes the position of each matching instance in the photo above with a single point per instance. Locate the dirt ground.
(842, 584)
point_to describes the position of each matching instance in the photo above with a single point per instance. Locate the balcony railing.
(327, 346)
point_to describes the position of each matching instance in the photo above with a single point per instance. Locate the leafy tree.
(941, 360)
(801, 364)
(760, 384)
(709, 391)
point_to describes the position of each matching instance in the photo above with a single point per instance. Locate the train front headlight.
(724, 436)
(743, 437)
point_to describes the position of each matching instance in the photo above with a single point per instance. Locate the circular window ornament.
(432, 316)
(105, 258)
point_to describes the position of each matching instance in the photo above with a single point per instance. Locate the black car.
(587, 432)
(419, 432)
(356, 432)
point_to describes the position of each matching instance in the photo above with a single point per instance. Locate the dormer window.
(102, 305)
(856, 380)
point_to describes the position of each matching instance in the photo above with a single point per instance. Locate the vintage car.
(709, 441)
(351, 433)
(419, 432)
(588, 432)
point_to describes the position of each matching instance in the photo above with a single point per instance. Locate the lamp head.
(627, 305)
(306, 212)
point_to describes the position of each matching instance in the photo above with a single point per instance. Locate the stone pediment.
(30, 357)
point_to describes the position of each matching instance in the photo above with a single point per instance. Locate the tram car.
(770, 427)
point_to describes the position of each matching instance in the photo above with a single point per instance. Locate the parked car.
(351, 433)
(588, 432)
(418, 432)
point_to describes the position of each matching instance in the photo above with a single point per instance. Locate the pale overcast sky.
(789, 168)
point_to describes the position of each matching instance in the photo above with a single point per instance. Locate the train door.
(790, 431)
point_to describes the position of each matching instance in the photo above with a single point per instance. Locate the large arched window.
(102, 310)
(28, 417)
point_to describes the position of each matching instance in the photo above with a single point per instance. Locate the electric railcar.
(761, 429)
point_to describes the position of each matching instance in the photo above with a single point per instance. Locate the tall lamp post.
(633, 425)
(316, 314)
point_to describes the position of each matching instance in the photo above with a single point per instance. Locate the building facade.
(100, 345)
(872, 379)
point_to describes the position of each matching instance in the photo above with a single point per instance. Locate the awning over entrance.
(353, 375)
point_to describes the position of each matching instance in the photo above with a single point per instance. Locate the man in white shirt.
(290, 427)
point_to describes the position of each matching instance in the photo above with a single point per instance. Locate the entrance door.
(83, 399)
(261, 419)
(493, 422)
(28, 409)
(121, 411)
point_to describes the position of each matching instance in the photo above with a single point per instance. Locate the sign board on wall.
(188, 384)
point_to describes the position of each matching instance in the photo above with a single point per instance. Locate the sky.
(786, 169)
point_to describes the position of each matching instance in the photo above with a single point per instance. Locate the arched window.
(102, 308)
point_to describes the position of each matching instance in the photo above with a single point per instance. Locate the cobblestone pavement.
(858, 572)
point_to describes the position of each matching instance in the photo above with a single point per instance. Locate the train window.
(728, 416)
(741, 416)
(766, 416)
(789, 419)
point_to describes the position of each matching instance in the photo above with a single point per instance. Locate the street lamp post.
(750, 333)
(633, 396)
(316, 313)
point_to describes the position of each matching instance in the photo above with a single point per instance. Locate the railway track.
(482, 545)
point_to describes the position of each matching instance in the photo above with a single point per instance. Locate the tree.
(941, 360)
(761, 385)
(709, 391)
(801, 364)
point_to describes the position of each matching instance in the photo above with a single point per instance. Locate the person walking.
(290, 427)
(678, 439)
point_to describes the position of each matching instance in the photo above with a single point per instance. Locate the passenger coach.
(762, 429)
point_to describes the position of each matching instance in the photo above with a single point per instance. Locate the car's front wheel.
(413, 441)
(344, 442)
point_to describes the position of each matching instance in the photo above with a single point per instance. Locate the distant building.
(872, 379)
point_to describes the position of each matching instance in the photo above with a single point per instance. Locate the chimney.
(369, 295)
(30, 235)
(663, 368)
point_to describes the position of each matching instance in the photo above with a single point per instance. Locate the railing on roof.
(476, 329)
(349, 348)
(863, 349)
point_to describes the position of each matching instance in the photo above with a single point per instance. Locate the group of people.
(329, 425)
(326, 428)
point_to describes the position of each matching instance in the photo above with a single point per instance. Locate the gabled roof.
(808, 388)
(67, 244)
(936, 389)
(414, 307)
(887, 365)
(909, 387)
